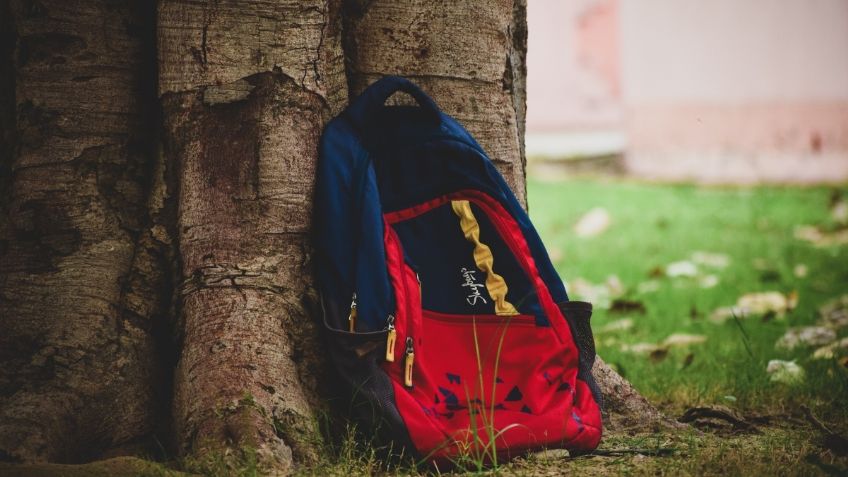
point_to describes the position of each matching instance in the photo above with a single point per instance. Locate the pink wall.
(573, 78)
(720, 91)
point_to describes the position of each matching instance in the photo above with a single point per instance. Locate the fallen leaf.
(834, 313)
(609, 342)
(554, 253)
(820, 238)
(656, 272)
(792, 300)
(806, 336)
(707, 281)
(830, 350)
(715, 260)
(614, 285)
(649, 286)
(623, 324)
(592, 223)
(600, 295)
(785, 372)
(683, 339)
(720, 315)
(766, 302)
(683, 268)
(621, 305)
(658, 355)
(639, 348)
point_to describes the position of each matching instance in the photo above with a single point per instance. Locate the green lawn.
(654, 225)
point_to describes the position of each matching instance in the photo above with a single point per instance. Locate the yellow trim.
(495, 283)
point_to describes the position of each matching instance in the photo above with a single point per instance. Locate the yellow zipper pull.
(351, 319)
(391, 340)
(410, 359)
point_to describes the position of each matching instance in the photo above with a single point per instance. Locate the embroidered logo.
(474, 296)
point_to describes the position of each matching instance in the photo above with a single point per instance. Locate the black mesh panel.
(578, 313)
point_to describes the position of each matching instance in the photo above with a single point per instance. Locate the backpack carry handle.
(374, 97)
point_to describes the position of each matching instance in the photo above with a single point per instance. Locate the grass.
(654, 225)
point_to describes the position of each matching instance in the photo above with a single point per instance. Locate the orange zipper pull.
(391, 340)
(410, 359)
(351, 319)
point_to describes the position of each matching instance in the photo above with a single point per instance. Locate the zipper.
(409, 360)
(409, 354)
(391, 339)
(493, 319)
(351, 318)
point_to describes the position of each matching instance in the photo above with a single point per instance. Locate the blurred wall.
(574, 78)
(718, 91)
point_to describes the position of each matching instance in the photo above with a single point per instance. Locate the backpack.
(446, 321)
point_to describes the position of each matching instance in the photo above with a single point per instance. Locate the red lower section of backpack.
(475, 378)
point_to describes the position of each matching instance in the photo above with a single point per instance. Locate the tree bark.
(77, 304)
(246, 88)
(158, 289)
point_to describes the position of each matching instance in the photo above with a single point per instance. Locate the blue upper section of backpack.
(374, 159)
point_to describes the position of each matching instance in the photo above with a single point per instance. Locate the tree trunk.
(158, 289)
(78, 301)
(246, 87)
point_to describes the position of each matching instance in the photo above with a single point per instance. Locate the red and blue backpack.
(447, 322)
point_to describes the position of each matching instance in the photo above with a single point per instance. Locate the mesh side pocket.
(577, 314)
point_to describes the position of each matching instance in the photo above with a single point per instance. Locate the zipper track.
(523, 320)
(409, 351)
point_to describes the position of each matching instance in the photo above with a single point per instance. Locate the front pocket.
(488, 373)
(473, 355)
